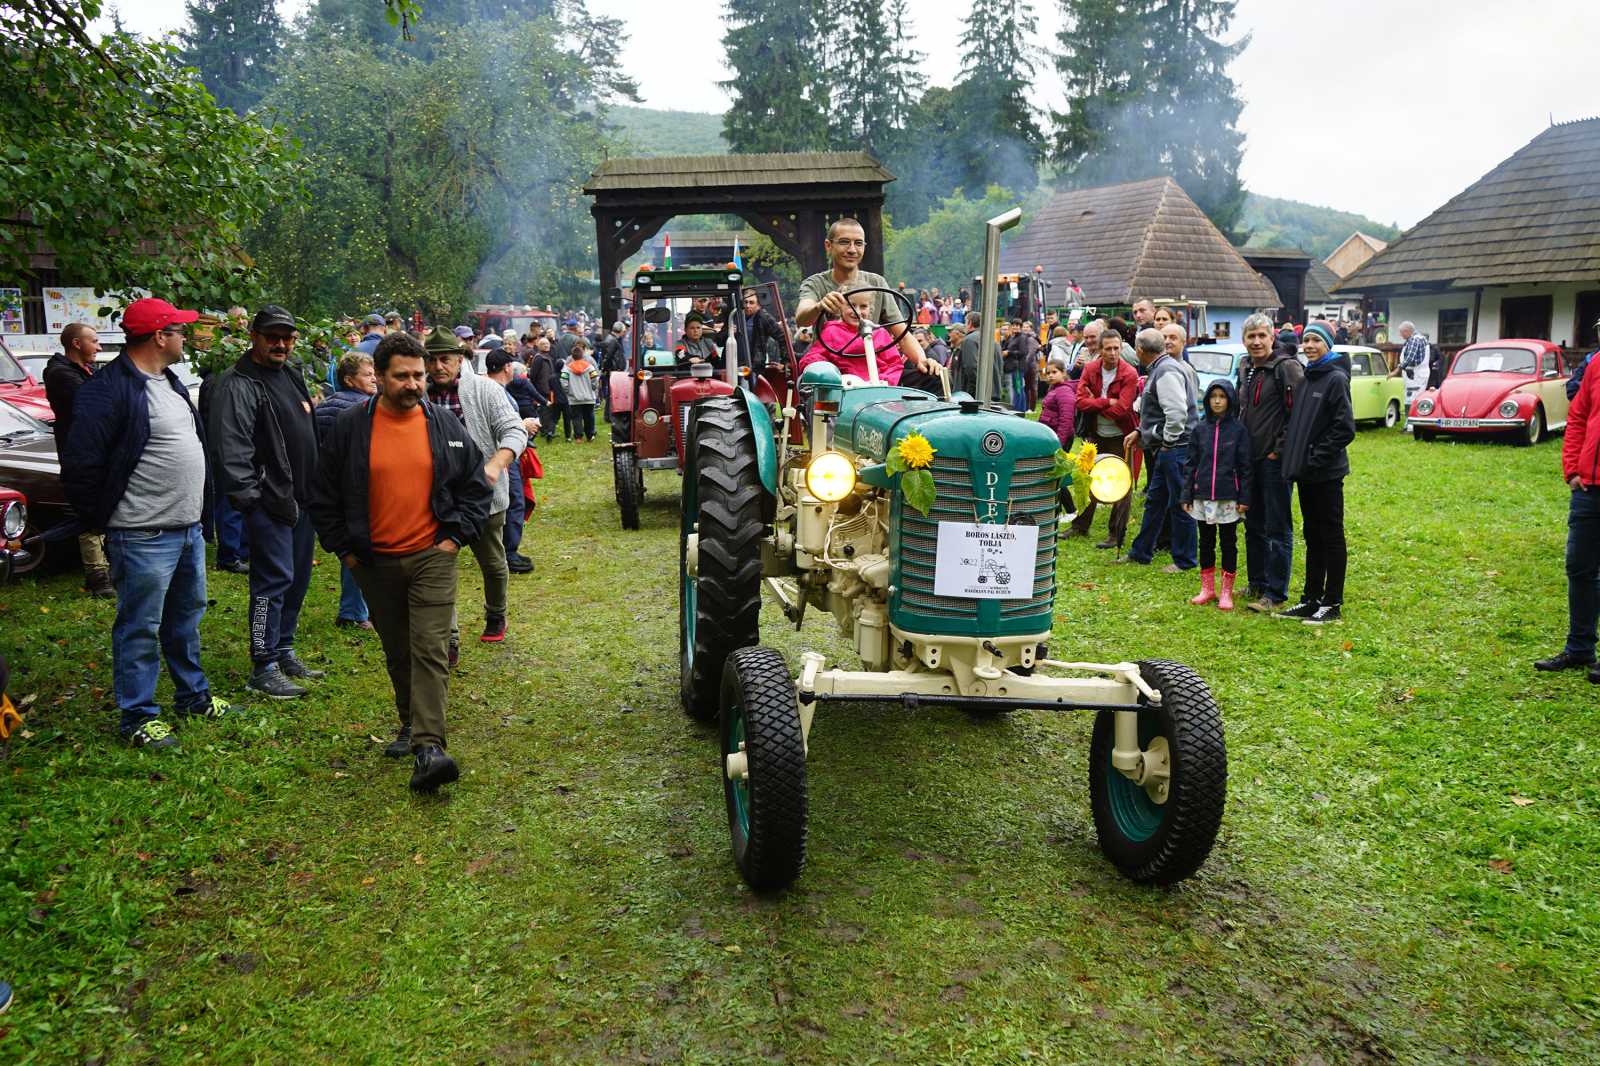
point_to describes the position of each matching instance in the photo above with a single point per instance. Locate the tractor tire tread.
(629, 485)
(775, 850)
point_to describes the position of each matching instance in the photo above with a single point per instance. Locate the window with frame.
(1452, 326)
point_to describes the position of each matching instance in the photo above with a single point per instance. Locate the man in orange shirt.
(399, 490)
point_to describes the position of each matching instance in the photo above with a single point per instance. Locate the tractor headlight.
(1508, 409)
(1424, 407)
(830, 477)
(650, 416)
(13, 519)
(1110, 480)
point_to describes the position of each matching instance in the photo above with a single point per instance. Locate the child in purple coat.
(1059, 408)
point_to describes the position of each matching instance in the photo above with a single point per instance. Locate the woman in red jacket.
(1105, 405)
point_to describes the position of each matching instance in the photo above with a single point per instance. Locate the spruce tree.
(1149, 94)
(999, 141)
(874, 72)
(232, 43)
(779, 86)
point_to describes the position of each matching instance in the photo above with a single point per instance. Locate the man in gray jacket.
(492, 423)
(1168, 416)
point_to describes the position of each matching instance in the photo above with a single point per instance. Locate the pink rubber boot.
(1225, 594)
(1208, 591)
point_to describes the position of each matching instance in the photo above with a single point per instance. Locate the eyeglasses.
(175, 329)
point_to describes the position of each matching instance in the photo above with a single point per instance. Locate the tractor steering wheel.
(904, 323)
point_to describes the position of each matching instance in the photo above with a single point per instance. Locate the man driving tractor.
(825, 293)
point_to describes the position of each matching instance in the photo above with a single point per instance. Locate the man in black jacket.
(401, 541)
(763, 331)
(264, 452)
(66, 371)
(1268, 380)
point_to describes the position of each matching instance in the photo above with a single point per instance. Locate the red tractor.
(651, 399)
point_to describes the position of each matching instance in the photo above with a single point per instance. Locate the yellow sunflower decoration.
(1074, 469)
(911, 459)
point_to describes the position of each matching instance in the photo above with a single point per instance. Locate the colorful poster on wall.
(11, 311)
(79, 304)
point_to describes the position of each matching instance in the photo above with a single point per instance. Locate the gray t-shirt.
(168, 485)
(885, 308)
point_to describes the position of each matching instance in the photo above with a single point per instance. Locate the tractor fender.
(766, 447)
(620, 385)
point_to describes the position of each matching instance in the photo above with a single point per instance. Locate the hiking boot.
(454, 652)
(494, 629)
(1564, 660)
(1327, 612)
(518, 563)
(1266, 604)
(400, 746)
(97, 581)
(213, 708)
(291, 666)
(234, 566)
(269, 680)
(433, 768)
(1299, 612)
(152, 733)
(351, 623)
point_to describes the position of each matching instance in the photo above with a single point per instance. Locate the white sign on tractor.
(984, 561)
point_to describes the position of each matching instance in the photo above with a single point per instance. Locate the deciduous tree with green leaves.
(116, 158)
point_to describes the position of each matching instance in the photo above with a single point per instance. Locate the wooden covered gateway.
(791, 197)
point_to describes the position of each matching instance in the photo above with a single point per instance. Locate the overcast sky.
(1383, 107)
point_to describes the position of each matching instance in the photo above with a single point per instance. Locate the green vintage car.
(1375, 396)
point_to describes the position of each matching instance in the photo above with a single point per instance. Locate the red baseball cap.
(149, 315)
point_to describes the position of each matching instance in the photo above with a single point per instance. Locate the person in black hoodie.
(1321, 427)
(1216, 490)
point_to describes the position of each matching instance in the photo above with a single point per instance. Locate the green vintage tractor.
(951, 606)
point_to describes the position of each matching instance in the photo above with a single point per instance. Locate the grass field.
(1406, 869)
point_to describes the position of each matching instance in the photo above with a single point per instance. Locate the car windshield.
(1489, 360)
(14, 422)
(659, 340)
(1205, 362)
(34, 364)
(11, 371)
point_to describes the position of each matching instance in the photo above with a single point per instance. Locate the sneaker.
(1564, 660)
(1107, 543)
(291, 666)
(400, 746)
(494, 630)
(351, 623)
(1328, 612)
(216, 708)
(1594, 674)
(269, 680)
(518, 563)
(455, 653)
(433, 768)
(1172, 568)
(5, 997)
(152, 733)
(1299, 612)
(1266, 605)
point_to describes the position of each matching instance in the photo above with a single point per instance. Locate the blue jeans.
(233, 543)
(1583, 571)
(515, 512)
(160, 576)
(1165, 498)
(280, 570)
(1269, 530)
(352, 605)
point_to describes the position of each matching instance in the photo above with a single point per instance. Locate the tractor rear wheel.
(767, 802)
(1156, 836)
(719, 606)
(630, 485)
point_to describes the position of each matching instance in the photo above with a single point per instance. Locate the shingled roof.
(1135, 240)
(1320, 281)
(1533, 218)
(723, 171)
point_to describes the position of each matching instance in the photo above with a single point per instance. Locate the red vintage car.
(1516, 387)
(21, 549)
(19, 387)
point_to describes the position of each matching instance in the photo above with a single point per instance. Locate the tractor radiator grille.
(1032, 499)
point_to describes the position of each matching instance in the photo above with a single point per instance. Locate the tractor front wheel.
(765, 788)
(719, 606)
(630, 485)
(1161, 833)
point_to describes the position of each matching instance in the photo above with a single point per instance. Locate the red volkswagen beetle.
(1507, 386)
(18, 387)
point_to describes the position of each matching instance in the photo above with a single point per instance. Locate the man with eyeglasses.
(264, 451)
(823, 293)
(135, 466)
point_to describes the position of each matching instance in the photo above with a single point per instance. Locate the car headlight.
(1508, 409)
(14, 519)
(830, 477)
(1424, 407)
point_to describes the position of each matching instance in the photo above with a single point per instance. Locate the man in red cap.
(135, 467)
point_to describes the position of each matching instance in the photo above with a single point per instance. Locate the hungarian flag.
(738, 263)
(666, 243)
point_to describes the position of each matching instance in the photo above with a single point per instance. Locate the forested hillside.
(1275, 223)
(655, 132)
